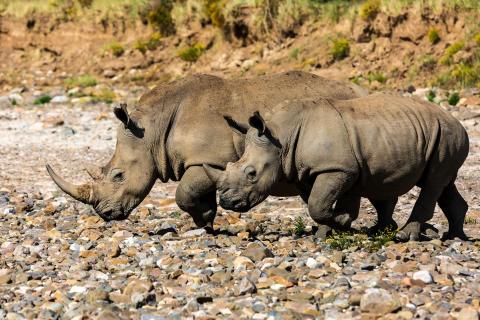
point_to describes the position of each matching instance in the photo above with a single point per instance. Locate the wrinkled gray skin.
(378, 147)
(176, 128)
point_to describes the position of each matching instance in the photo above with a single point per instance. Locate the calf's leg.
(384, 210)
(196, 195)
(327, 188)
(454, 207)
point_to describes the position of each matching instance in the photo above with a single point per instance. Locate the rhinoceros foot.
(323, 232)
(451, 235)
(410, 232)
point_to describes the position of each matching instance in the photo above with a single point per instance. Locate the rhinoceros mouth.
(112, 215)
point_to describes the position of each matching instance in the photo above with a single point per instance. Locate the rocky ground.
(59, 260)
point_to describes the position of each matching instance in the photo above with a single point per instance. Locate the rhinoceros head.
(247, 182)
(118, 187)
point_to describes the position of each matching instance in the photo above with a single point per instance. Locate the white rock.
(312, 263)
(78, 289)
(423, 275)
(59, 99)
(194, 233)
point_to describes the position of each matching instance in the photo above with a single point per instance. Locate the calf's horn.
(80, 193)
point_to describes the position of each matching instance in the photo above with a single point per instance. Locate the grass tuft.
(191, 54)
(340, 48)
(433, 36)
(299, 226)
(116, 48)
(370, 9)
(42, 99)
(453, 99)
(83, 81)
(346, 240)
(450, 52)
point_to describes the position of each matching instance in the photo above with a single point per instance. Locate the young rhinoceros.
(378, 147)
(177, 127)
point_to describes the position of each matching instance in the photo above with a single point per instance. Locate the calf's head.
(247, 182)
(118, 187)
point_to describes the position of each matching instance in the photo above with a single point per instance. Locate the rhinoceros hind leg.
(422, 211)
(346, 211)
(454, 207)
(384, 210)
(197, 196)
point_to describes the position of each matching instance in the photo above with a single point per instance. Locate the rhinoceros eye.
(117, 175)
(251, 173)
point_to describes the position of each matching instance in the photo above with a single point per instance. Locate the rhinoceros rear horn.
(213, 173)
(80, 193)
(93, 171)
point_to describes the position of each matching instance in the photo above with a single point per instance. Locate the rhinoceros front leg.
(196, 194)
(327, 188)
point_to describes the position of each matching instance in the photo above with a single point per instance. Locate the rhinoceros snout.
(235, 204)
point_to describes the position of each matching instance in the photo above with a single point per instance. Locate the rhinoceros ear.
(257, 122)
(236, 126)
(121, 113)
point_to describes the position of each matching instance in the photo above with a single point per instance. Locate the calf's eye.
(251, 173)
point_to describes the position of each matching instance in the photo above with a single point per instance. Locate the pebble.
(378, 301)
(423, 276)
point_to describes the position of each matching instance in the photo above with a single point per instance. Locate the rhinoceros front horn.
(213, 173)
(80, 193)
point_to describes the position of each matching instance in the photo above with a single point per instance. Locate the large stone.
(138, 291)
(245, 286)
(378, 301)
(256, 251)
(424, 276)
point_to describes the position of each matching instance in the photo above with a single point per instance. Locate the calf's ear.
(236, 126)
(121, 113)
(257, 122)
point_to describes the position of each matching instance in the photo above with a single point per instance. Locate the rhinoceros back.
(395, 137)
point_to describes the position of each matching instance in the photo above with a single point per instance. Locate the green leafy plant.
(214, 11)
(470, 220)
(453, 99)
(299, 226)
(431, 95)
(370, 9)
(42, 99)
(340, 48)
(191, 54)
(294, 53)
(376, 76)
(346, 240)
(433, 36)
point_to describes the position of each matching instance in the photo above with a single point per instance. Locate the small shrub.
(141, 45)
(346, 240)
(191, 54)
(340, 48)
(116, 49)
(451, 51)
(376, 76)
(154, 41)
(470, 220)
(214, 11)
(299, 226)
(14, 102)
(42, 99)
(160, 17)
(431, 95)
(433, 36)
(370, 9)
(81, 81)
(294, 54)
(453, 99)
(466, 74)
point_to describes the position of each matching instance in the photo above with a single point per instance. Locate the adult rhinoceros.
(176, 128)
(378, 147)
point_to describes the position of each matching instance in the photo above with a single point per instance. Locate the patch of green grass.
(105, 95)
(340, 48)
(83, 81)
(451, 51)
(453, 99)
(370, 9)
(175, 214)
(470, 220)
(141, 45)
(42, 99)
(345, 240)
(376, 76)
(294, 53)
(154, 41)
(191, 54)
(431, 95)
(299, 226)
(433, 36)
(116, 48)
(476, 38)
